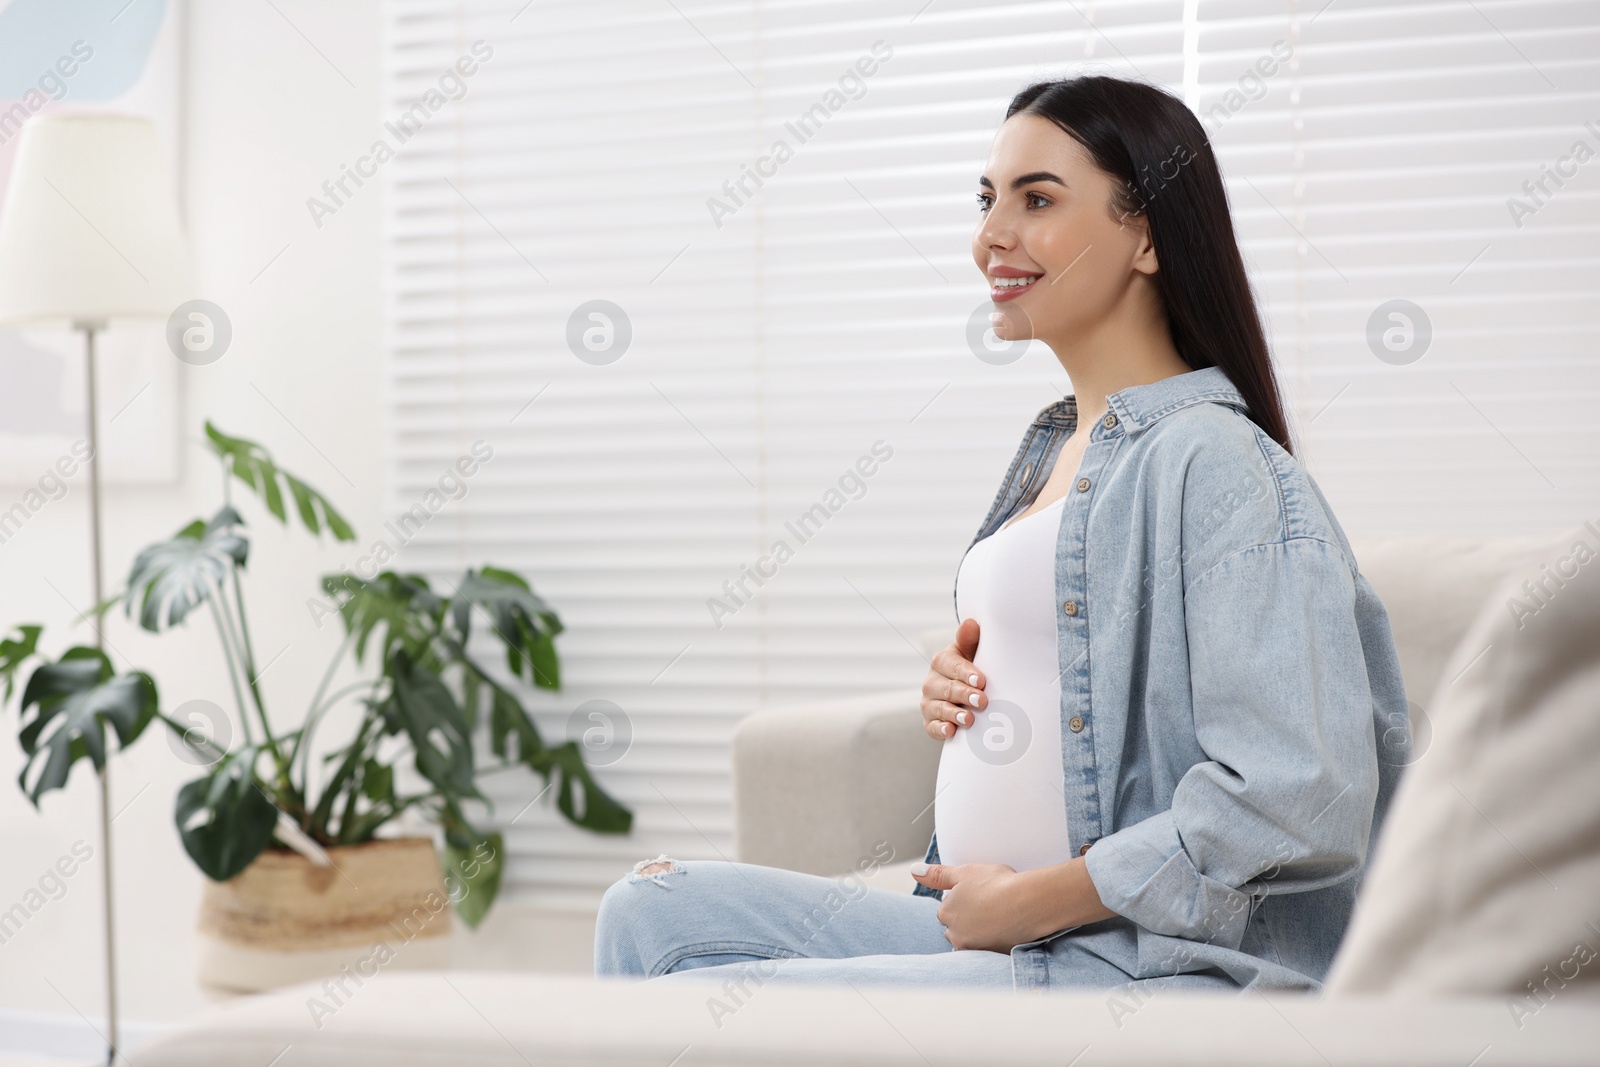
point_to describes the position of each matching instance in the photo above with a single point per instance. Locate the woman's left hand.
(979, 909)
(992, 906)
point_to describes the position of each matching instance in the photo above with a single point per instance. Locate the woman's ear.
(1144, 255)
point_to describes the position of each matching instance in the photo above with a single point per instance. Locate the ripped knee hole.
(654, 870)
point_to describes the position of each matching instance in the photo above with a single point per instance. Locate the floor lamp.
(89, 236)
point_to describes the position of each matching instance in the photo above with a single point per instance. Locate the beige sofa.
(819, 786)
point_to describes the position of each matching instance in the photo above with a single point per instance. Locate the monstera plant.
(428, 696)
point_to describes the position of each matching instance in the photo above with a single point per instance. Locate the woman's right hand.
(954, 687)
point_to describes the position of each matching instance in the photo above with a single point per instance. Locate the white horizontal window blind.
(700, 275)
(797, 318)
(1422, 230)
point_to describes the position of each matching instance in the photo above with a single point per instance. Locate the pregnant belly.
(999, 794)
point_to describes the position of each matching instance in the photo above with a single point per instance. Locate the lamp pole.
(55, 267)
(90, 327)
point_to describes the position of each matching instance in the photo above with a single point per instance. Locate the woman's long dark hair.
(1156, 151)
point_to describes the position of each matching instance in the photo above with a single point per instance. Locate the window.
(790, 317)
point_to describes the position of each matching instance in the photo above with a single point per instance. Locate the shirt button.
(1083, 850)
(1083, 485)
(1110, 421)
(1075, 724)
(1026, 472)
(1070, 607)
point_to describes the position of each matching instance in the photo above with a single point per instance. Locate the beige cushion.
(835, 785)
(1432, 588)
(1487, 874)
(530, 1020)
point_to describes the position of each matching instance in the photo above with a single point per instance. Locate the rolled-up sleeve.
(1282, 709)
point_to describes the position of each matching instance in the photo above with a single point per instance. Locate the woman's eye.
(985, 201)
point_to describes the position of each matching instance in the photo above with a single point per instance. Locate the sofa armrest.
(822, 788)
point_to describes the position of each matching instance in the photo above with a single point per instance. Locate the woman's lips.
(1001, 293)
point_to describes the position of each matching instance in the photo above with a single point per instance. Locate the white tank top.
(999, 796)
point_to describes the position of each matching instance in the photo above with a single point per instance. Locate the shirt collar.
(1140, 405)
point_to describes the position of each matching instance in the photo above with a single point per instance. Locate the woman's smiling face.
(1048, 219)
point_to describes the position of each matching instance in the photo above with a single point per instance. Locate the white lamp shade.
(90, 227)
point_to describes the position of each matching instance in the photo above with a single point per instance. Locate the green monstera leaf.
(224, 819)
(513, 736)
(15, 651)
(519, 617)
(253, 466)
(578, 796)
(171, 578)
(401, 603)
(473, 864)
(72, 702)
(422, 709)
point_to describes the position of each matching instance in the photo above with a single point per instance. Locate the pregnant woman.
(1166, 714)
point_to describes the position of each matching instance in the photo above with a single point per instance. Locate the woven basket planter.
(284, 919)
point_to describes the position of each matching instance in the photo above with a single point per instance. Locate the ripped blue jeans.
(742, 926)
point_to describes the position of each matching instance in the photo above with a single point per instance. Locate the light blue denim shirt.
(1233, 720)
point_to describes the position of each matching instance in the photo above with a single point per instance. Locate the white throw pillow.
(1486, 877)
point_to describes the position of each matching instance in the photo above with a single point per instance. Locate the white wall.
(268, 119)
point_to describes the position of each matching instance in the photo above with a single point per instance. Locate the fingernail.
(975, 699)
(972, 679)
(919, 868)
(963, 717)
